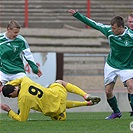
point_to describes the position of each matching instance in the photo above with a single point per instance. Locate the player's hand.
(72, 11)
(39, 72)
(5, 107)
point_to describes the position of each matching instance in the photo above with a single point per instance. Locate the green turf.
(92, 122)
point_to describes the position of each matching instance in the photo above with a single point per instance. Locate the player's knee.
(130, 89)
(60, 117)
(129, 84)
(63, 83)
(109, 93)
(59, 81)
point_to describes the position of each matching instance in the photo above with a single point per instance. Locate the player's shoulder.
(26, 79)
(21, 37)
(129, 32)
(2, 34)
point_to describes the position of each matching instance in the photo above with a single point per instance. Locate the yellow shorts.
(63, 96)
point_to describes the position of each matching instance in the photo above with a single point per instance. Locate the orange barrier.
(26, 14)
(88, 10)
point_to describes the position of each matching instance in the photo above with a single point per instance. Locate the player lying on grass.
(51, 101)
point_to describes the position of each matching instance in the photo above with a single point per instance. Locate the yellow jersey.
(34, 96)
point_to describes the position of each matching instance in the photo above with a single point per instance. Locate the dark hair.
(130, 15)
(13, 24)
(118, 20)
(7, 89)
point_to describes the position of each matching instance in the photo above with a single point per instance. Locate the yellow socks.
(74, 89)
(73, 104)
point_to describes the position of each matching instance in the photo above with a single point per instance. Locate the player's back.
(38, 97)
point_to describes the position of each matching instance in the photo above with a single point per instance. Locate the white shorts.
(4, 78)
(111, 74)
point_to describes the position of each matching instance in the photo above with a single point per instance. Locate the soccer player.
(13, 49)
(130, 26)
(130, 21)
(120, 59)
(51, 101)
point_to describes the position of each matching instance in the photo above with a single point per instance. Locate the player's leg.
(61, 113)
(60, 117)
(127, 78)
(129, 99)
(112, 101)
(0, 86)
(110, 77)
(75, 89)
(3, 79)
(73, 104)
(129, 84)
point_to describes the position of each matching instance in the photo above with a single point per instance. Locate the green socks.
(130, 97)
(113, 104)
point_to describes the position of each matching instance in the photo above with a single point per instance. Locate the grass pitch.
(77, 122)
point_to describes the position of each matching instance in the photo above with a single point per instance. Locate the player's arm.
(98, 26)
(29, 58)
(24, 112)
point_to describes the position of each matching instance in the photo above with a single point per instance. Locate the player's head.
(13, 24)
(13, 28)
(117, 24)
(130, 21)
(7, 90)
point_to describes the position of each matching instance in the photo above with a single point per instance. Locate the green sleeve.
(98, 26)
(33, 66)
(24, 112)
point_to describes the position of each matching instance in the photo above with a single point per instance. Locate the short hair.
(118, 20)
(7, 89)
(130, 15)
(13, 24)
